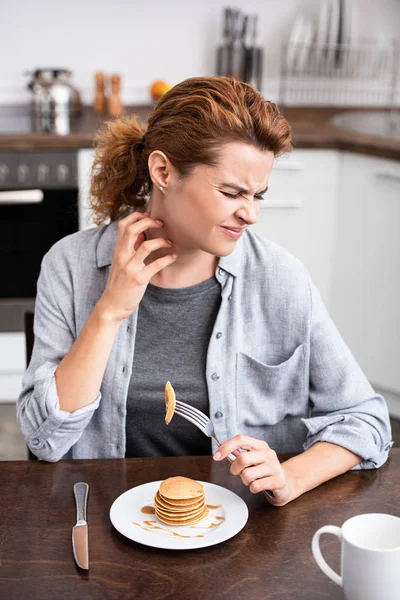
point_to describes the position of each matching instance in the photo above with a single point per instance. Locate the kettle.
(52, 93)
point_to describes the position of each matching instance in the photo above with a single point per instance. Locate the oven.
(38, 206)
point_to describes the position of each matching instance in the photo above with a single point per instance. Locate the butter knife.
(80, 545)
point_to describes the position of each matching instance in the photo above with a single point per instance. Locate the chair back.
(29, 336)
(29, 340)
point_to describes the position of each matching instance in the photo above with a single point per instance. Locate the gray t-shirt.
(173, 332)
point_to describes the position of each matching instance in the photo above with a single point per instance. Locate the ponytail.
(120, 176)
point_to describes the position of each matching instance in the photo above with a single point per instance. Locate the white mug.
(370, 562)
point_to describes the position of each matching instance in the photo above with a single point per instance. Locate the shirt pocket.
(266, 394)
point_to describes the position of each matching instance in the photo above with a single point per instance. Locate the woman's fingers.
(131, 218)
(260, 472)
(259, 468)
(122, 226)
(274, 483)
(129, 275)
(157, 265)
(248, 459)
(237, 442)
(149, 246)
(137, 227)
(130, 232)
(250, 474)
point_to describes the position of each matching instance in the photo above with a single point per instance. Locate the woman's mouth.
(233, 232)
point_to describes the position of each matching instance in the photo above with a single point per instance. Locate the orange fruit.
(158, 88)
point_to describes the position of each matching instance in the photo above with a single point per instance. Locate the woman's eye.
(229, 195)
(234, 196)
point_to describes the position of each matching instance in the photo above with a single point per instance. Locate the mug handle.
(321, 562)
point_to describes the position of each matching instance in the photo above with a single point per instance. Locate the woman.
(177, 288)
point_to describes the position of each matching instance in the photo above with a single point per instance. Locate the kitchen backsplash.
(149, 41)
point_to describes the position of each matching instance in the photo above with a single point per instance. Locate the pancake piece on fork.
(169, 396)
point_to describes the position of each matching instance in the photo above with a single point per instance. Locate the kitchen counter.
(311, 126)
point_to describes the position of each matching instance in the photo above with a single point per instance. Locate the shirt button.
(218, 415)
(35, 442)
(219, 271)
(215, 376)
(229, 297)
(128, 328)
(124, 370)
(219, 334)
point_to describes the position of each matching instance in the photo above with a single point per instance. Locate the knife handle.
(81, 491)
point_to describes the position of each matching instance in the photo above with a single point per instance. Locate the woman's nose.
(248, 213)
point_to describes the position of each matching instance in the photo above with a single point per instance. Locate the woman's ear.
(160, 169)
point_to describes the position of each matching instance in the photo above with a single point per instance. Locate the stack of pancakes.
(180, 501)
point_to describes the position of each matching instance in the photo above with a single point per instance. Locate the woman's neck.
(191, 267)
(186, 271)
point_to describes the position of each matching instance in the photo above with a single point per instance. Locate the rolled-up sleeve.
(345, 410)
(49, 431)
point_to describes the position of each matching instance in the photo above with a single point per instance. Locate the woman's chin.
(221, 249)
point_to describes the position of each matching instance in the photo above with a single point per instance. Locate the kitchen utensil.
(80, 544)
(53, 94)
(322, 33)
(238, 49)
(253, 54)
(333, 34)
(231, 55)
(340, 35)
(224, 51)
(202, 422)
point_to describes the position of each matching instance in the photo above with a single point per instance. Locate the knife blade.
(80, 543)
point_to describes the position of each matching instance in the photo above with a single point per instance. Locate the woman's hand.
(129, 275)
(259, 468)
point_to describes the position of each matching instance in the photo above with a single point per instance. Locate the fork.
(204, 423)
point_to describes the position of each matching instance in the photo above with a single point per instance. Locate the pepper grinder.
(114, 105)
(100, 101)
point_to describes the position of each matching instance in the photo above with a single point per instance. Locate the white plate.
(333, 33)
(305, 45)
(323, 31)
(127, 517)
(294, 41)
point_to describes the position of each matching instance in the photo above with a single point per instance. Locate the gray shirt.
(173, 331)
(279, 371)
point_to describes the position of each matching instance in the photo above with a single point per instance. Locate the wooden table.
(269, 559)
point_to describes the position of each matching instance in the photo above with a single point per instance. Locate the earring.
(161, 188)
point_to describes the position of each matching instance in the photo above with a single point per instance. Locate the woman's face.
(211, 209)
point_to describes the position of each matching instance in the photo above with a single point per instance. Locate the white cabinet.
(12, 365)
(299, 210)
(85, 162)
(365, 298)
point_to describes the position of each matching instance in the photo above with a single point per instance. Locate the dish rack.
(339, 74)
